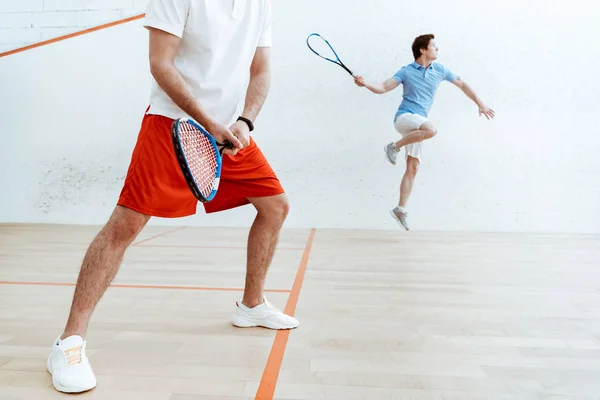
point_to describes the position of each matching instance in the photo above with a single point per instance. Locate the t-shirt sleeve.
(399, 76)
(167, 15)
(448, 74)
(265, 34)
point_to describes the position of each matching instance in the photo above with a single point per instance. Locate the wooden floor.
(383, 315)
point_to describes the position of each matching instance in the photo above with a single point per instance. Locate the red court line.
(157, 236)
(212, 247)
(71, 35)
(266, 389)
(131, 286)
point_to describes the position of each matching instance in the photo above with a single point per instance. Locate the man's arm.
(163, 48)
(377, 88)
(260, 82)
(256, 94)
(470, 93)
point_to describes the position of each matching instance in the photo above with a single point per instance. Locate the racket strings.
(201, 157)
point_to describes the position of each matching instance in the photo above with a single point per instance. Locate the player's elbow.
(382, 89)
(159, 67)
(156, 65)
(260, 70)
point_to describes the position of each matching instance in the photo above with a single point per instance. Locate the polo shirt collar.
(419, 66)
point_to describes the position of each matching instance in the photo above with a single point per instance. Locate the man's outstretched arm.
(377, 88)
(470, 93)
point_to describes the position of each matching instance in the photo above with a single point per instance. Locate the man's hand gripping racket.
(200, 154)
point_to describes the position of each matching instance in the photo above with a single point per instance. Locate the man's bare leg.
(399, 213)
(100, 265)
(425, 131)
(262, 241)
(412, 166)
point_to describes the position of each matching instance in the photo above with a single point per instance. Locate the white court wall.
(24, 22)
(70, 113)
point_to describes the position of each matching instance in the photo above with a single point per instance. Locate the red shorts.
(155, 184)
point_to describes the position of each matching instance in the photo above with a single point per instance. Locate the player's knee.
(124, 234)
(278, 209)
(430, 132)
(412, 168)
(123, 227)
(283, 208)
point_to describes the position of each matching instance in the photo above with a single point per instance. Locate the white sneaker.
(264, 315)
(390, 153)
(400, 217)
(69, 366)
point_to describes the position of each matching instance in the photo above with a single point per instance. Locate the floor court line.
(134, 286)
(266, 389)
(157, 236)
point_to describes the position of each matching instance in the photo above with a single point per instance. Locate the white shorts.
(404, 124)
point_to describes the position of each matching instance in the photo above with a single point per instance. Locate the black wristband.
(248, 122)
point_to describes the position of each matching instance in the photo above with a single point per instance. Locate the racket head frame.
(337, 61)
(181, 158)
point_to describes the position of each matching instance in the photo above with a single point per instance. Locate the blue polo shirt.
(420, 86)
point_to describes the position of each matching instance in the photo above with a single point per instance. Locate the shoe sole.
(244, 323)
(398, 221)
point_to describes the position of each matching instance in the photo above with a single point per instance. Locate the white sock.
(401, 209)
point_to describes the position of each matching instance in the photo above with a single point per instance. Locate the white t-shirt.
(218, 42)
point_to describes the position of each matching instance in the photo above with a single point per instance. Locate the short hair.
(421, 42)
